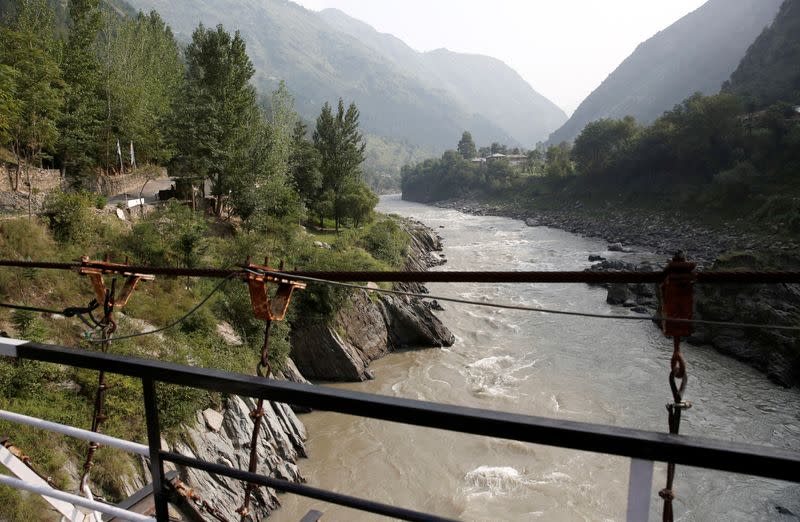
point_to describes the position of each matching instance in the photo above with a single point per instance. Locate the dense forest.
(769, 73)
(72, 92)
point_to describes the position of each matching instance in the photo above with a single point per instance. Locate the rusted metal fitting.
(96, 269)
(676, 296)
(265, 307)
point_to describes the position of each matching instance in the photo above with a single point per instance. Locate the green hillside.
(770, 71)
(319, 63)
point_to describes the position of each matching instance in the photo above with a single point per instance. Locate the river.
(602, 371)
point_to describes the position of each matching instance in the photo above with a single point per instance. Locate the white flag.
(119, 156)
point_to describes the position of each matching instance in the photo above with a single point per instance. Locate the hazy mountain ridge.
(696, 53)
(319, 63)
(770, 71)
(473, 80)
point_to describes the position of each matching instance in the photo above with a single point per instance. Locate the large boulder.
(411, 324)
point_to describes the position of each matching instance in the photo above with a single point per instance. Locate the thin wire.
(174, 323)
(30, 308)
(523, 307)
(66, 312)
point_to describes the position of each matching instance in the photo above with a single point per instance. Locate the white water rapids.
(593, 370)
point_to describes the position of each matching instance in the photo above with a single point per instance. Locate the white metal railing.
(65, 503)
(47, 491)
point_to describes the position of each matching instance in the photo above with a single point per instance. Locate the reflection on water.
(611, 372)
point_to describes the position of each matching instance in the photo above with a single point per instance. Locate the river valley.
(593, 370)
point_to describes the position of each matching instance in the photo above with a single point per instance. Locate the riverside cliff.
(368, 328)
(371, 325)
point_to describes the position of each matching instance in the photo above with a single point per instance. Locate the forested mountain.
(320, 63)
(695, 54)
(770, 71)
(473, 80)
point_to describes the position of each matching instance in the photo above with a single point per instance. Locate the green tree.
(304, 166)
(142, 73)
(466, 146)
(600, 141)
(497, 148)
(534, 162)
(79, 146)
(9, 103)
(557, 161)
(216, 109)
(27, 49)
(357, 203)
(341, 152)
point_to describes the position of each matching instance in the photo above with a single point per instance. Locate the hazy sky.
(563, 48)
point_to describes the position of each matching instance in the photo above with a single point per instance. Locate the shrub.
(386, 241)
(28, 325)
(69, 216)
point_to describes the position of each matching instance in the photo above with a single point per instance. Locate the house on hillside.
(516, 159)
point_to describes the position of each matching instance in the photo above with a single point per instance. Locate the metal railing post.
(640, 484)
(154, 442)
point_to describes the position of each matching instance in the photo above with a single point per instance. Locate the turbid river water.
(602, 371)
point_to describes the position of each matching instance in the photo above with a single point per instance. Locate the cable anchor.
(96, 270)
(677, 302)
(267, 309)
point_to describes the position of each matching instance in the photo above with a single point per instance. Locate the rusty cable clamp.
(267, 308)
(107, 296)
(677, 302)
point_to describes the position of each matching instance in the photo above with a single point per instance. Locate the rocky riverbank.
(656, 231)
(774, 352)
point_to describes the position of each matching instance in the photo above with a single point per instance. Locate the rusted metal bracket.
(97, 269)
(677, 300)
(265, 307)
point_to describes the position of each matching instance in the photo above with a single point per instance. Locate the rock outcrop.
(225, 439)
(639, 297)
(774, 352)
(374, 324)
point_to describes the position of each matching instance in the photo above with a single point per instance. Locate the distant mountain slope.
(696, 53)
(770, 71)
(319, 63)
(482, 84)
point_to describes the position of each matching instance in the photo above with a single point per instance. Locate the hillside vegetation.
(695, 54)
(769, 72)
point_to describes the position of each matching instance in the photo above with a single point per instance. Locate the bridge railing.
(643, 447)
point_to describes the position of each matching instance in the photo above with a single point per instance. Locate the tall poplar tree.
(341, 153)
(215, 109)
(142, 75)
(79, 146)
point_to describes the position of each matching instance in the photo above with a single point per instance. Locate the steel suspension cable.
(293, 275)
